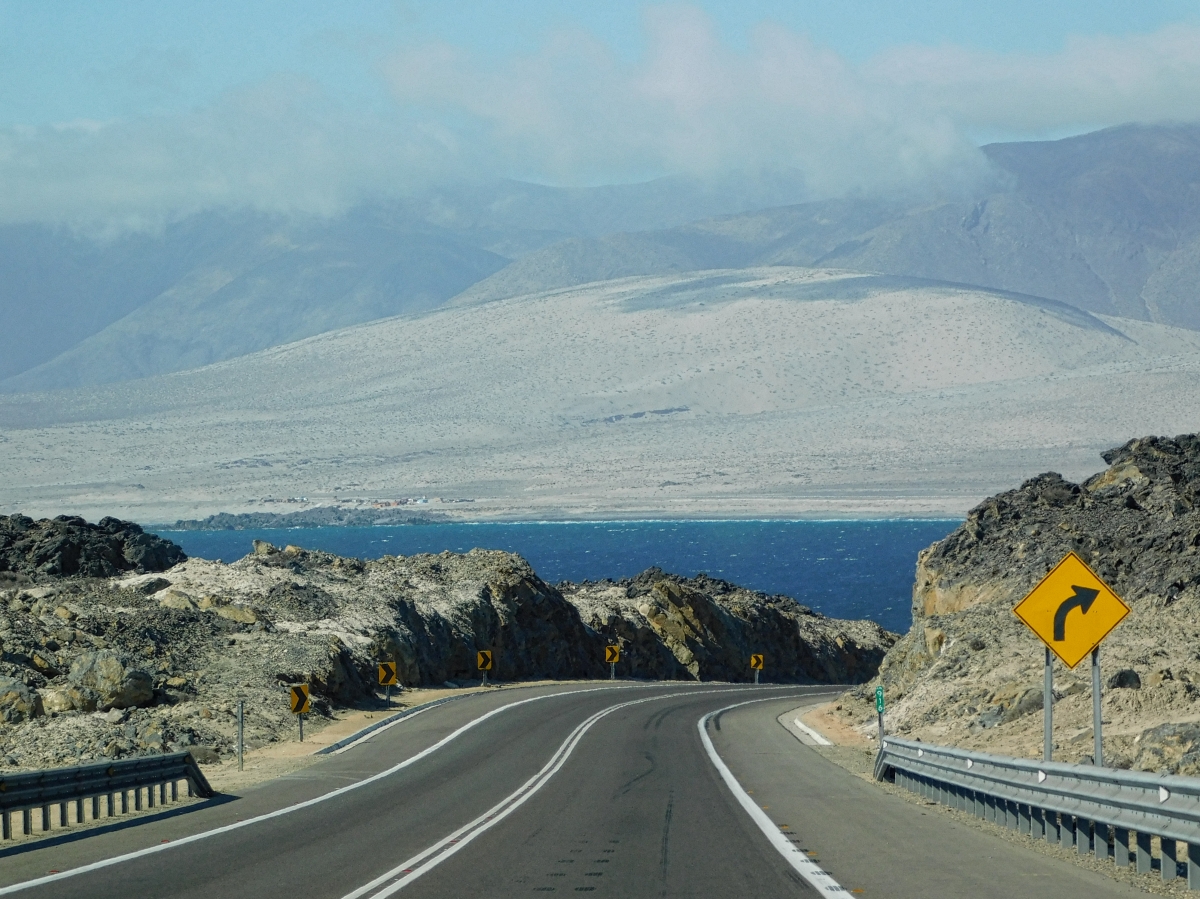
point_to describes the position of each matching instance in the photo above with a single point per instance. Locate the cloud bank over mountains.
(577, 112)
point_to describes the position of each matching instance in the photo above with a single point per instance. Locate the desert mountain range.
(1108, 222)
(768, 391)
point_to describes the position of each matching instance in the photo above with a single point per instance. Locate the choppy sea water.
(845, 569)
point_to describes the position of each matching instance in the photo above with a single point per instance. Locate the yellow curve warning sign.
(298, 697)
(612, 654)
(387, 674)
(1071, 610)
(483, 659)
(756, 661)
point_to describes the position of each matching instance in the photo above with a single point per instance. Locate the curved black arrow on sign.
(1082, 600)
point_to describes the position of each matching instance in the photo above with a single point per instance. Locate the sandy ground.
(770, 392)
(277, 759)
(857, 755)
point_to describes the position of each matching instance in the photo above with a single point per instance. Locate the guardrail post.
(1083, 836)
(26, 821)
(1066, 830)
(45, 817)
(1193, 866)
(1013, 816)
(1025, 818)
(124, 802)
(174, 791)
(79, 810)
(95, 807)
(1053, 827)
(62, 814)
(6, 825)
(1100, 840)
(1121, 846)
(1144, 863)
(1168, 864)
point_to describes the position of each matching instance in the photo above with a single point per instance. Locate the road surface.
(624, 791)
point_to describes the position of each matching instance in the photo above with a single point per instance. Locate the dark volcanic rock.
(67, 546)
(969, 673)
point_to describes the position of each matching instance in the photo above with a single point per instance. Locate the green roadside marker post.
(879, 711)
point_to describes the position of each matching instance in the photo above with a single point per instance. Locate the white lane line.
(803, 865)
(388, 726)
(409, 870)
(183, 841)
(810, 733)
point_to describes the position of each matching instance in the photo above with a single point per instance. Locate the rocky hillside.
(969, 673)
(672, 627)
(141, 663)
(67, 546)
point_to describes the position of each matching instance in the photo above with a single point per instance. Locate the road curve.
(609, 791)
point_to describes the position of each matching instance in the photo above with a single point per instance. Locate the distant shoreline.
(254, 521)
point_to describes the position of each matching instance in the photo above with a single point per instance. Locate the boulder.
(56, 699)
(17, 702)
(175, 599)
(239, 613)
(99, 681)
(1125, 679)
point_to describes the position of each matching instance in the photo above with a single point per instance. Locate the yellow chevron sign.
(483, 659)
(612, 654)
(387, 674)
(756, 661)
(298, 696)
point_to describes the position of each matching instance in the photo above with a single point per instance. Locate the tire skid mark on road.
(183, 841)
(812, 872)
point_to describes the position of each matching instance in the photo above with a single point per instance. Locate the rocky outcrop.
(67, 546)
(105, 668)
(969, 673)
(703, 628)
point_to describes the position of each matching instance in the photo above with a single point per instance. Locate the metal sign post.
(241, 718)
(612, 655)
(300, 703)
(879, 712)
(1071, 610)
(387, 677)
(1099, 743)
(1048, 709)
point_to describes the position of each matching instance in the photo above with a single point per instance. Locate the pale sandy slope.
(773, 391)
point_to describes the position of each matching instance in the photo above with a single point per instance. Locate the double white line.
(409, 870)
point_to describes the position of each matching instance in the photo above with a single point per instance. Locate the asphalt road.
(609, 791)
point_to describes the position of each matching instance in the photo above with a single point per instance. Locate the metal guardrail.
(1094, 809)
(107, 784)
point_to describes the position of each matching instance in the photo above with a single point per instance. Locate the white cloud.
(278, 146)
(574, 112)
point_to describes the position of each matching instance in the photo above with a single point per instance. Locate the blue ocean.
(844, 569)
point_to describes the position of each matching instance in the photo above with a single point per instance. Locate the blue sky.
(133, 108)
(87, 60)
